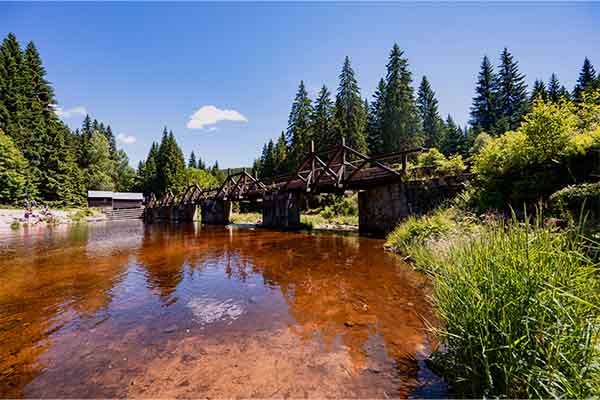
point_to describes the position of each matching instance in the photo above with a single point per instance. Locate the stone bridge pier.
(281, 209)
(215, 211)
(381, 208)
(185, 213)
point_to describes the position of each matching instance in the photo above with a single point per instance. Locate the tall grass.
(520, 310)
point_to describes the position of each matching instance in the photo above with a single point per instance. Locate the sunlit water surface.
(123, 309)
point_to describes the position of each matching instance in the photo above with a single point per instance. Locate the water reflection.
(124, 309)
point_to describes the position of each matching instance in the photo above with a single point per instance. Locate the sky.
(222, 76)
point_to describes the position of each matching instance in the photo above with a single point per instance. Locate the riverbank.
(14, 218)
(518, 301)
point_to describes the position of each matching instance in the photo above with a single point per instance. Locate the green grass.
(518, 305)
(245, 218)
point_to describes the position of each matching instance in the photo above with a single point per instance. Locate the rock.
(170, 329)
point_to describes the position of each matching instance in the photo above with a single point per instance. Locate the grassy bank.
(316, 221)
(519, 302)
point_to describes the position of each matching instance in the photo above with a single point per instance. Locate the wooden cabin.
(114, 200)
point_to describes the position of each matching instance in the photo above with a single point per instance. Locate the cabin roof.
(101, 194)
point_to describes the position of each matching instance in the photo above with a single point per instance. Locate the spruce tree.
(400, 120)
(192, 161)
(349, 110)
(512, 94)
(150, 176)
(432, 124)
(553, 88)
(454, 141)
(171, 165)
(538, 91)
(299, 127)
(586, 80)
(12, 96)
(483, 110)
(322, 121)
(280, 160)
(374, 128)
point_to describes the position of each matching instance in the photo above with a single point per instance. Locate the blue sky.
(143, 66)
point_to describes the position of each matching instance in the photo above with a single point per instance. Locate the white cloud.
(212, 129)
(69, 112)
(126, 139)
(210, 115)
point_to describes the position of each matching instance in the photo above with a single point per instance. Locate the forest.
(42, 158)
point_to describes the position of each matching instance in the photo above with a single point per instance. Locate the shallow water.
(123, 309)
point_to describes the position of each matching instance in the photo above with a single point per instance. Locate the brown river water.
(127, 309)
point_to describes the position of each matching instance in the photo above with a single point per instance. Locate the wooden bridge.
(336, 170)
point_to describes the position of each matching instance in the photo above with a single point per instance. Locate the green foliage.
(350, 114)
(375, 119)
(15, 181)
(586, 80)
(200, 177)
(480, 142)
(519, 312)
(170, 165)
(440, 165)
(573, 200)
(432, 124)
(511, 94)
(299, 131)
(400, 119)
(322, 121)
(101, 167)
(341, 206)
(529, 163)
(483, 110)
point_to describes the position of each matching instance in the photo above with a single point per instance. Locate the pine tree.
(171, 165)
(512, 94)
(192, 161)
(299, 126)
(12, 96)
(110, 137)
(483, 110)
(430, 118)
(553, 88)
(280, 159)
(454, 139)
(400, 120)
(201, 164)
(349, 110)
(564, 93)
(586, 80)
(322, 121)
(538, 91)
(150, 174)
(374, 119)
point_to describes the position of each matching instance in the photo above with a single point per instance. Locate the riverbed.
(125, 309)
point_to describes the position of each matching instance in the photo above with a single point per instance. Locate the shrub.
(572, 200)
(440, 165)
(520, 316)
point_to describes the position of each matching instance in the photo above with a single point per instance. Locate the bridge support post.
(215, 212)
(381, 208)
(185, 213)
(281, 209)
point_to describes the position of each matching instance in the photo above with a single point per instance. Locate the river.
(126, 309)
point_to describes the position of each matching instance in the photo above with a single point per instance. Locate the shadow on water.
(124, 309)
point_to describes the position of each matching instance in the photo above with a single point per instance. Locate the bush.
(520, 316)
(440, 165)
(551, 148)
(575, 199)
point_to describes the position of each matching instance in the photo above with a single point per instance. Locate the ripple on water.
(207, 310)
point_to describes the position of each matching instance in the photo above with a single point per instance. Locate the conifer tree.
(150, 173)
(374, 120)
(553, 88)
(201, 164)
(432, 124)
(322, 120)
(512, 93)
(192, 161)
(400, 120)
(564, 93)
(454, 141)
(101, 169)
(12, 94)
(538, 90)
(349, 110)
(586, 80)
(280, 160)
(299, 126)
(483, 110)
(171, 165)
